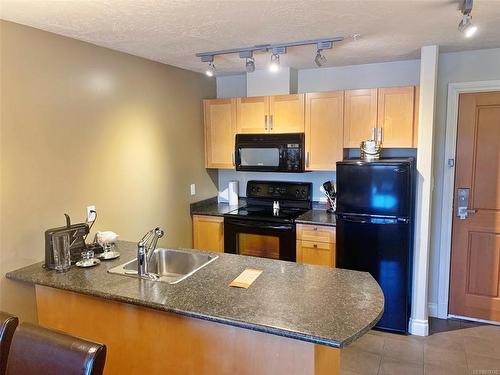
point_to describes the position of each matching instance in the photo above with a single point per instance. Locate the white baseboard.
(433, 309)
(419, 327)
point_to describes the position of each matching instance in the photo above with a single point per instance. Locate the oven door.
(260, 238)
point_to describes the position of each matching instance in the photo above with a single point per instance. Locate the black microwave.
(270, 152)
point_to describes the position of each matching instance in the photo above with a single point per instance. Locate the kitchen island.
(294, 319)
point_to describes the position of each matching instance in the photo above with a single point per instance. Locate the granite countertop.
(317, 216)
(211, 207)
(316, 304)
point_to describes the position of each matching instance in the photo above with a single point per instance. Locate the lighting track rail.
(275, 49)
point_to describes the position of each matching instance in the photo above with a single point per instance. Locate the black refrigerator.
(374, 212)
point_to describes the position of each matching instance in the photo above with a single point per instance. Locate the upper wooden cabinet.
(252, 114)
(270, 114)
(286, 113)
(360, 116)
(396, 117)
(324, 130)
(389, 110)
(220, 127)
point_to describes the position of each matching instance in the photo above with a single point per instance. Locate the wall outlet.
(91, 215)
(193, 189)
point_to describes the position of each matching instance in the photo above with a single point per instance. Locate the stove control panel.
(280, 190)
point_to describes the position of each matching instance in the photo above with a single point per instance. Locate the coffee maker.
(77, 234)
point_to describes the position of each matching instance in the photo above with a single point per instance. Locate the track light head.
(274, 66)
(465, 26)
(211, 69)
(320, 59)
(250, 65)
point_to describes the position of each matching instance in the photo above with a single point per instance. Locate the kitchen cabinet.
(324, 130)
(220, 128)
(360, 110)
(208, 233)
(252, 114)
(270, 114)
(286, 113)
(316, 245)
(390, 110)
(396, 116)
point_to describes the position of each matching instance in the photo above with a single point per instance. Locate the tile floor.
(454, 347)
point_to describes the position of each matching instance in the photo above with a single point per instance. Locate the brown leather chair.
(41, 351)
(8, 324)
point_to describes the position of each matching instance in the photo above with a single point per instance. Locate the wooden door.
(475, 259)
(208, 233)
(287, 113)
(252, 114)
(324, 131)
(220, 127)
(396, 116)
(360, 111)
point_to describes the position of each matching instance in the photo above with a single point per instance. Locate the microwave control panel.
(292, 157)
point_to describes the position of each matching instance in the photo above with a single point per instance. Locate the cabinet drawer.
(316, 253)
(316, 233)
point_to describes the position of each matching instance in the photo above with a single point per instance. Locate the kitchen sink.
(167, 265)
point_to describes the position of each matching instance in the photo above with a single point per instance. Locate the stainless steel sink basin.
(167, 265)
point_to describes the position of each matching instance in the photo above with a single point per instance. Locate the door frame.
(454, 90)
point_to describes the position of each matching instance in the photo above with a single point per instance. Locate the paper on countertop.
(246, 278)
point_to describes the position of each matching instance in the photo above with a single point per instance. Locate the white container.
(232, 191)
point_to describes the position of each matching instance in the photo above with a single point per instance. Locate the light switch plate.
(193, 189)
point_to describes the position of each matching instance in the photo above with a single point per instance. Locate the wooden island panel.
(141, 340)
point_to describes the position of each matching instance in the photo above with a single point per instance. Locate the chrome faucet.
(145, 249)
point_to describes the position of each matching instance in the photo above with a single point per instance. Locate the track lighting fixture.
(275, 49)
(211, 69)
(250, 65)
(465, 26)
(274, 66)
(320, 59)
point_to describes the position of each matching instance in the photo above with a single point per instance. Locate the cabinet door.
(324, 131)
(208, 233)
(360, 111)
(252, 114)
(415, 117)
(286, 113)
(316, 253)
(220, 126)
(396, 116)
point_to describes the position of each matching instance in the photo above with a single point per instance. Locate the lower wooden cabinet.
(316, 245)
(208, 233)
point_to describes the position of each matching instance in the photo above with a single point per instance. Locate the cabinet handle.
(271, 122)
(315, 228)
(307, 159)
(315, 246)
(232, 159)
(265, 122)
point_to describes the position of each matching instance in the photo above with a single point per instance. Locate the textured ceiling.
(172, 31)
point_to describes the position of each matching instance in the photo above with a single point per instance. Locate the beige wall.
(82, 125)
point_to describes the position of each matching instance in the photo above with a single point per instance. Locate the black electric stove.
(266, 226)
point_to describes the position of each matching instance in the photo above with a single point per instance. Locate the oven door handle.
(261, 226)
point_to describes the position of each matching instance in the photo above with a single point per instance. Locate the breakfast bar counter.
(294, 315)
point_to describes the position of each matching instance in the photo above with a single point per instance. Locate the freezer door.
(383, 250)
(374, 189)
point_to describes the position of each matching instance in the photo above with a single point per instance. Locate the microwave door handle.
(265, 122)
